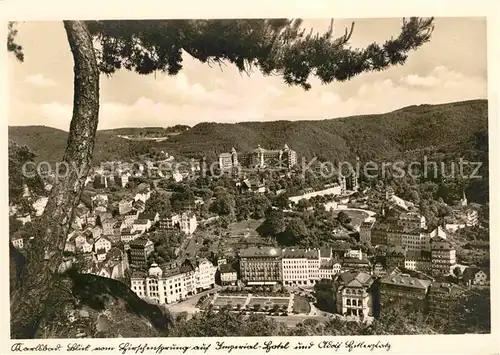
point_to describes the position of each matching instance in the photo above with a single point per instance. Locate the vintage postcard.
(299, 178)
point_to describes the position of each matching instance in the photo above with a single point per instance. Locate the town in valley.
(237, 237)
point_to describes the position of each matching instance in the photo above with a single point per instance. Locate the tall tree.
(274, 46)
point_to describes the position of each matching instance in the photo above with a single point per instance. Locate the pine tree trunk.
(28, 304)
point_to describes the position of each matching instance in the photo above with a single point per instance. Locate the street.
(189, 305)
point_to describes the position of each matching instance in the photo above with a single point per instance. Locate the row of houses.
(305, 267)
(411, 242)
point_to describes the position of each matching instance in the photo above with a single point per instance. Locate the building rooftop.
(325, 252)
(139, 242)
(355, 261)
(300, 254)
(226, 268)
(406, 281)
(149, 216)
(256, 252)
(367, 224)
(352, 279)
(446, 289)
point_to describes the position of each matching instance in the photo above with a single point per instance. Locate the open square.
(222, 301)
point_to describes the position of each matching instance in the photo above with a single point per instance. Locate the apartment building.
(227, 161)
(365, 232)
(188, 223)
(442, 297)
(300, 266)
(411, 220)
(403, 288)
(204, 274)
(228, 275)
(140, 249)
(185, 222)
(443, 256)
(329, 268)
(141, 226)
(418, 260)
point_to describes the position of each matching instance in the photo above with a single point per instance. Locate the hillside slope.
(49, 143)
(371, 137)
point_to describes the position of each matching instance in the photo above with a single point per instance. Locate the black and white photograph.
(247, 177)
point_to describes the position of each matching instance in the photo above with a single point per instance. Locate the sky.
(451, 67)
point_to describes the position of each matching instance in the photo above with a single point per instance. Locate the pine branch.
(274, 46)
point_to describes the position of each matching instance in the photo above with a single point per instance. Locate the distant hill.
(371, 137)
(49, 143)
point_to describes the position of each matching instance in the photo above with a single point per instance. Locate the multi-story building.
(163, 286)
(442, 297)
(130, 217)
(102, 244)
(411, 220)
(353, 293)
(443, 256)
(173, 282)
(204, 274)
(228, 161)
(91, 220)
(379, 234)
(261, 266)
(403, 288)
(406, 230)
(365, 232)
(188, 223)
(153, 217)
(259, 158)
(300, 267)
(17, 240)
(127, 236)
(418, 260)
(329, 268)
(107, 226)
(124, 206)
(168, 221)
(140, 249)
(471, 217)
(414, 239)
(143, 196)
(356, 264)
(185, 222)
(141, 226)
(228, 275)
(395, 257)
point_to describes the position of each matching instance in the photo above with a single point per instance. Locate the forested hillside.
(371, 137)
